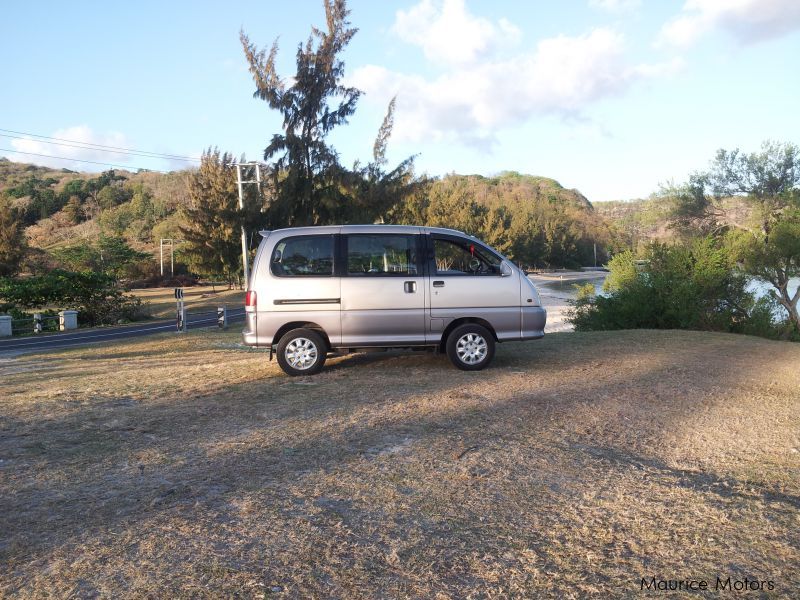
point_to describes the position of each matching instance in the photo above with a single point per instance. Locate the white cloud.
(71, 152)
(449, 34)
(747, 20)
(561, 76)
(615, 6)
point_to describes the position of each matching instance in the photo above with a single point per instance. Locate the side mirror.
(505, 270)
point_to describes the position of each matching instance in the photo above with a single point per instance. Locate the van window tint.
(463, 258)
(381, 255)
(303, 256)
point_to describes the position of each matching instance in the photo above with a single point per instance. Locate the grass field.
(189, 466)
(162, 300)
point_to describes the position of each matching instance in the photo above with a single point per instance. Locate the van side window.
(381, 254)
(303, 256)
(463, 257)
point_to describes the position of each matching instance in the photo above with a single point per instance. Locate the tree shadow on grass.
(78, 476)
(695, 480)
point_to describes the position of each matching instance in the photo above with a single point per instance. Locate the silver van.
(317, 290)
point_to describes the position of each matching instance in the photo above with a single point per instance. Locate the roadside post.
(67, 319)
(222, 316)
(180, 321)
(5, 325)
(37, 322)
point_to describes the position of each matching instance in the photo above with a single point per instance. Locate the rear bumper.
(534, 318)
(250, 331)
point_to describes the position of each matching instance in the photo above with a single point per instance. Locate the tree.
(307, 180)
(72, 209)
(117, 257)
(373, 192)
(111, 195)
(213, 219)
(110, 255)
(767, 239)
(92, 188)
(13, 243)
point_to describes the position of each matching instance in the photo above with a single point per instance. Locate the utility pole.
(161, 251)
(171, 255)
(240, 183)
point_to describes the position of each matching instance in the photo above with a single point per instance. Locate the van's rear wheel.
(470, 347)
(301, 352)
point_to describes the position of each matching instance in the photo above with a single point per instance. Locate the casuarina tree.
(307, 180)
(213, 219)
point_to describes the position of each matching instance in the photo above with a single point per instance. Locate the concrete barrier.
(67, 319)
(5, 326)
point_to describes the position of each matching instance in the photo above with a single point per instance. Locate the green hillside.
(533, 219)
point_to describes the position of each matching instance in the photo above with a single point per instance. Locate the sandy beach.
(557, 288)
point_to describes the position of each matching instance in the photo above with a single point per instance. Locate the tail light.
(250, 300)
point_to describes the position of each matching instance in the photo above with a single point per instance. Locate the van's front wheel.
(301, 352)
(470, 347)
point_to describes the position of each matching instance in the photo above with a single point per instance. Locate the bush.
(94, 295)
(675, 287)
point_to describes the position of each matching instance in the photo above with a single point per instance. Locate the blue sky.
(612, 97)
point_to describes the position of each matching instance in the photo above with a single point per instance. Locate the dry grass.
(191, 467)
(162, 300)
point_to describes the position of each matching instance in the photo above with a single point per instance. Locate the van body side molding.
(308, 301)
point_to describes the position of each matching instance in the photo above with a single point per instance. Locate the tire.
(311, 348)
(470, 347)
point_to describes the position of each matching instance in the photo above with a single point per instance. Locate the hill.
(534, 219)
(645, 220)
(62, 208)
(509, 188)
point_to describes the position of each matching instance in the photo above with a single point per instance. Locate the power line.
(100, 146)
(141, 154)
(92, 162)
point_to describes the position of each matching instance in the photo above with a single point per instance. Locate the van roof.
(364, 229)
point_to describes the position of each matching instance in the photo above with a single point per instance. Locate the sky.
(610, 97)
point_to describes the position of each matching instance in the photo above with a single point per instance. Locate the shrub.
(675, 287)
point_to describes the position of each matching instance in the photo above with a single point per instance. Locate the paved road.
(46, 342)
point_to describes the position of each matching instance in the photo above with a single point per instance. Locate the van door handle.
(410, 287)
(438, 284)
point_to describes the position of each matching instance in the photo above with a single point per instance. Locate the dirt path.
(575, 466)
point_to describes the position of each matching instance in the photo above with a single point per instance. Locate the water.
(567, 287)
(760, 288)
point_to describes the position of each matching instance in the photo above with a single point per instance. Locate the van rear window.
(303, 256)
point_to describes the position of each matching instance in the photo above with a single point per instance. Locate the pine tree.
(213, 220)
